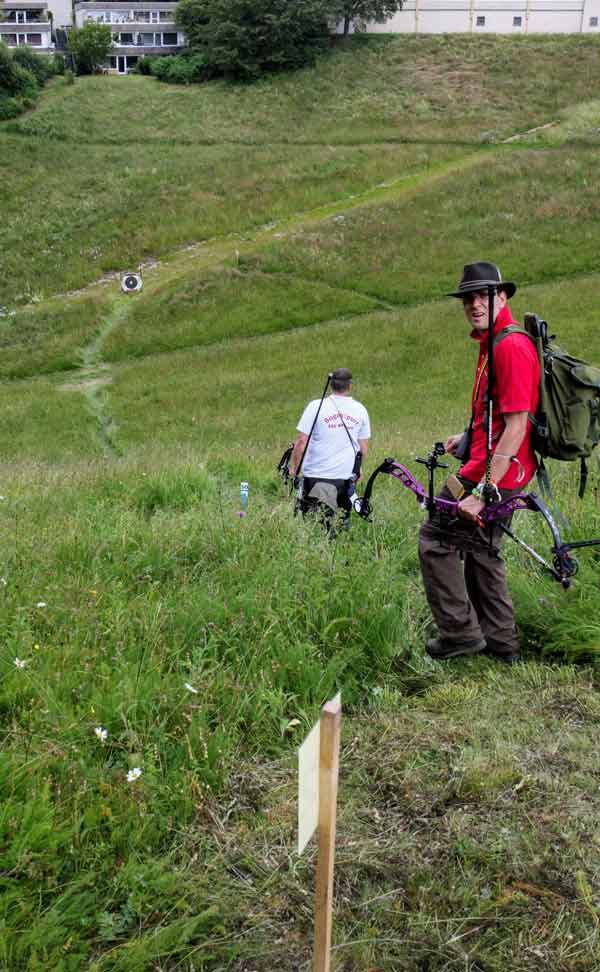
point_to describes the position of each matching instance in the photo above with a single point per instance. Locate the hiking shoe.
(440, 649)
(511, 656)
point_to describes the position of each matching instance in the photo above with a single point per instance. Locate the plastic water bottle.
(244, 494)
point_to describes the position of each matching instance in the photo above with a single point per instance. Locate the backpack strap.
(583, 475)
(506, 332)
(512, 329)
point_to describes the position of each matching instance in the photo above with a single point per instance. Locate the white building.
(493, 16)
(137, 29)
(26, 22)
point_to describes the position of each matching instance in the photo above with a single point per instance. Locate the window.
(147, 40)
(125, 38)
(480, 22)
(166, 15)
(11, 39)
(112, 62)
(154, 17)
(517, 21)
(169, 39)
(593, 21)
(21, 16)
(34, 39)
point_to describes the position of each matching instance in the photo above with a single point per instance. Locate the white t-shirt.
(330, 453)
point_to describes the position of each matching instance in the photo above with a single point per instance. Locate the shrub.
(58, 64)
(181, 68)
(39, 66)
(9, 108)
(69, 77)
(10, 80)
(144, 65)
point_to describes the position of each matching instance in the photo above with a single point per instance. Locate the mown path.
(95, 374)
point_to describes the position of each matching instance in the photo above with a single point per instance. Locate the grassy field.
(287, 228)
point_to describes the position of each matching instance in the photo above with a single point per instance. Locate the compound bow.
(563, 566)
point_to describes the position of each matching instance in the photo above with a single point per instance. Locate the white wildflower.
(134, 774)
(3, 581)
(20, 663)
(41, 604)
(101, 733)
(191, 688)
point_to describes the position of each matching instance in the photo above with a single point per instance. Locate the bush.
(39, 66)
(58, 64)
(12, 78)
(144, 65)
(69, 77)
(181, 68)
(9, 108)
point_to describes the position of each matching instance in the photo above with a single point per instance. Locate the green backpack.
(566, 422)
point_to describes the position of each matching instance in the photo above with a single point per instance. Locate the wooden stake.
(331, 717)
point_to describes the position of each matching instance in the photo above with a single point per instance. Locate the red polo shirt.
(516, 389)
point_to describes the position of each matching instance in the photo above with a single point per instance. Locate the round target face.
(131, 283)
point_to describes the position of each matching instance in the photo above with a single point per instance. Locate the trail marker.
(318, 766)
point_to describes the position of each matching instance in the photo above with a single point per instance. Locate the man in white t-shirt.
(341, 431)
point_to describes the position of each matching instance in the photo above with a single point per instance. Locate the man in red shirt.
(465, 584)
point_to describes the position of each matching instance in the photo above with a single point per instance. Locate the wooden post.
(329, 756)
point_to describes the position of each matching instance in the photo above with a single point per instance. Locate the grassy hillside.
(286, 228)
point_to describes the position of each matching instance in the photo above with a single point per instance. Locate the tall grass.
(147, 627)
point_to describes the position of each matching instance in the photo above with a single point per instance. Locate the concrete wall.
(62, 12)
(461, 16)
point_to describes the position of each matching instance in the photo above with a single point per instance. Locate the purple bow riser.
(499, 511)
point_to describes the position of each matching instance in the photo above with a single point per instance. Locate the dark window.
(126, 39)
(147, 40)
(169, 38)
(113, 62)
(166, 15)
(593, 21)
(517, 21)
(34, 39)
(480, 22)
(11, 39)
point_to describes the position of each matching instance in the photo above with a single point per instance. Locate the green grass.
(204, 643)
(442, 88)
(536, 211)
(159, 198)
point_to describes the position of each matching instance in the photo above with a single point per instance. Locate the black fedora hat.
(478, 276)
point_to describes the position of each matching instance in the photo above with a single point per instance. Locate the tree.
(363, 10)
(246, 38)
(89, 46)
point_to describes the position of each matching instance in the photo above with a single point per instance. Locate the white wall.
(61, 12)
(460, 16)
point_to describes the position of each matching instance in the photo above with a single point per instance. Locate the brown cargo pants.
(465, 584)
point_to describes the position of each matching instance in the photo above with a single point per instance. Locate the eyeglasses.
(481, 295)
